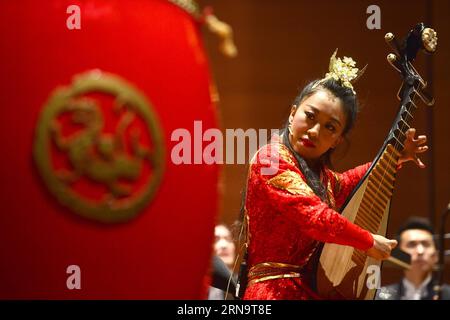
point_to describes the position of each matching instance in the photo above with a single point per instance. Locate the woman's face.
(317, 125)
(224, 245)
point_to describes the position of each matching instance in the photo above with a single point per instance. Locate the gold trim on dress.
(280, 276)
(272, 270)
(330, 194)
(337, 184)
(285, 154)
(291, 182)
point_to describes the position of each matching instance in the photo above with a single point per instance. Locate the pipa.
(345, 272)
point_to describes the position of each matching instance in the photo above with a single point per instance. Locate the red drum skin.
(154, 49)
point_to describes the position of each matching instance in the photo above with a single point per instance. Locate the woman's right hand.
(382, 247)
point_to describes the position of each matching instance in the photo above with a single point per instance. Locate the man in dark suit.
(416, 238)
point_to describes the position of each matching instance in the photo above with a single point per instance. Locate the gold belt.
(272, 270)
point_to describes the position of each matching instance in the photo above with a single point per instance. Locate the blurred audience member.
(223, 262)
(415, 237)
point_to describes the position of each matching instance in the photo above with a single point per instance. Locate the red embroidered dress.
(287, 221)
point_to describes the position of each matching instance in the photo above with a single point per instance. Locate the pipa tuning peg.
(392, 41)
(393, 61)
(429, 40)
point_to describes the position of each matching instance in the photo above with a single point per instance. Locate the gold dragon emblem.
(99, 148)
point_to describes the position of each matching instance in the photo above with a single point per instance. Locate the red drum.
(92, 205)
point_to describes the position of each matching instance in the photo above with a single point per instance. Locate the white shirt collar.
(413, 293)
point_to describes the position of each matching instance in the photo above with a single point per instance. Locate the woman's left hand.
(412, 148)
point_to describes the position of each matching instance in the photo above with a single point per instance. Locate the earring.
(290, 128)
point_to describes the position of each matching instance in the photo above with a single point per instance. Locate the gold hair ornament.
(344, 71)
